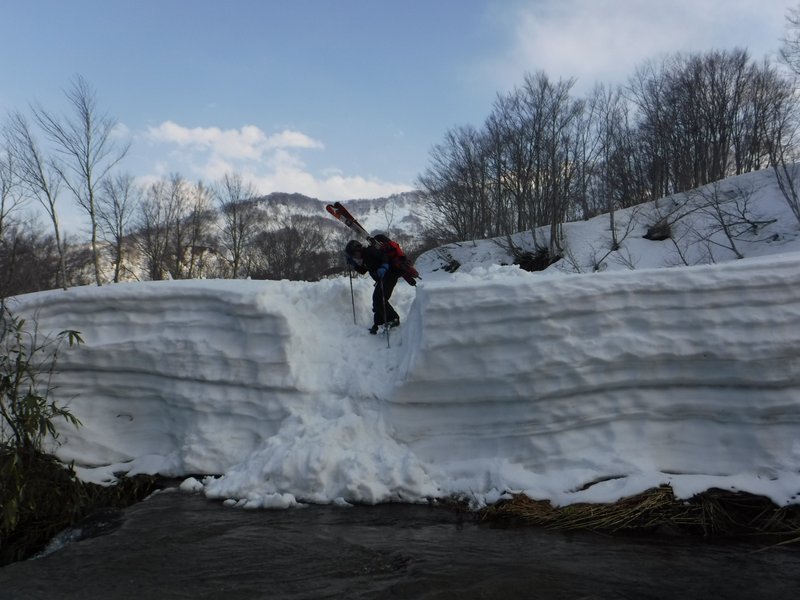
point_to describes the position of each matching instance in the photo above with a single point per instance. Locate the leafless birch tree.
(39, 177)
(88, 149)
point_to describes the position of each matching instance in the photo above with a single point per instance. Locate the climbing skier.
(385, 270)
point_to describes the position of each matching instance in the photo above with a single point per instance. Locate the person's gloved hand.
(382, 270)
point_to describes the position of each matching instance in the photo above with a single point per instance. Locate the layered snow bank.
(626, 380)
(570, 388)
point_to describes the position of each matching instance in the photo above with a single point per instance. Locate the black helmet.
(353, 246)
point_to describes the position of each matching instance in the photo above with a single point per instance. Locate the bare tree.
(86, 142)
(784, 159)
(705, 117)
(597, 259)
(174, 225)
(186, 213)
(515, 130)
(11, 198)
(240, 218)
(785, 148)
(730, 220)
(10, 201)
(609, 111)
(39, 177)
(647, 90)
(587, 152)
(152, 228)
(200, 223)
(29, 260)
(296, 251)
(118, 198)
(455, 187)
(553, 115)
(790, 49)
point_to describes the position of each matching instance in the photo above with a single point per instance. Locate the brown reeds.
(712, 513)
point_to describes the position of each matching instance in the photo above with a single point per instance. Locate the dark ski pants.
(380, 298)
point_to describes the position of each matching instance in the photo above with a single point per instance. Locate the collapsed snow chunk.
(191, 486)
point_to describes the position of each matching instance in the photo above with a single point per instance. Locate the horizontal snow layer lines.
(196, 373)
(612, 373)
(188, 377)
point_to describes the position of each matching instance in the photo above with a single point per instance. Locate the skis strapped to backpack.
(392, 249)
(341, 213)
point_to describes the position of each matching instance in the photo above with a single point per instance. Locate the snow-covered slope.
(749, 207)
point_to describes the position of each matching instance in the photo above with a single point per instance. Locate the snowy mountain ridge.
(398, 214)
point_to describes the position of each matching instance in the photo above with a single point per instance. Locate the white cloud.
(292, 139)
(271, 162)
(604, 41)
(248, 142)
(121, 132)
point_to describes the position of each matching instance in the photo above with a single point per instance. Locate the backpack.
(397, 257)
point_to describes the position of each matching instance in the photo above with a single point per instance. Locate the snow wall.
(571, 388)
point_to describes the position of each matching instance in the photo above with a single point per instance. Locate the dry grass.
(711, 513)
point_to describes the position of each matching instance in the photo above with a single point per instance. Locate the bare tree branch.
(86, 142)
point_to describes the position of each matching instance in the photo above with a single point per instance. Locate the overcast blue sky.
(335, 99)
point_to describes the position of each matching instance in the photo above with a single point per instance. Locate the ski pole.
(352, 295)
(385, 323)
